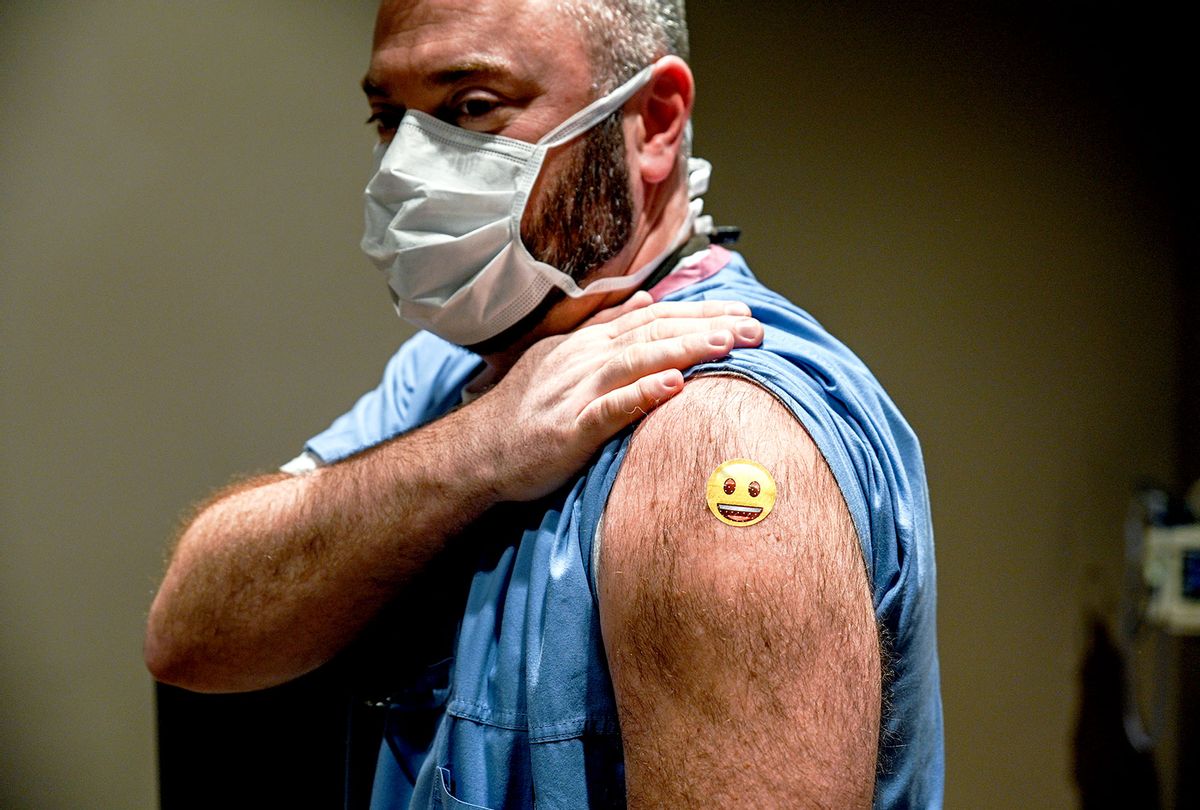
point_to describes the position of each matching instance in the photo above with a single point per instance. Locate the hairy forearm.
(271, 580)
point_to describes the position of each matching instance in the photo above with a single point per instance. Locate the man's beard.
(579, 221)
(585, 216)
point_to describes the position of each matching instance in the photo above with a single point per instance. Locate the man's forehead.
(431, 40)
(468, 23)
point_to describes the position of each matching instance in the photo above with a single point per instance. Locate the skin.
(745, 657)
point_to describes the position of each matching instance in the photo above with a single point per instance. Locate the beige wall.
(182, 299)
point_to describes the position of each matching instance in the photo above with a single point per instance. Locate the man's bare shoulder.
(751, 642)
(662, 484)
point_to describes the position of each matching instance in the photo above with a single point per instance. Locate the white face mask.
(443, 221)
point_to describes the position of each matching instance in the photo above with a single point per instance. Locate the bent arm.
(745, 659)
(274, 577)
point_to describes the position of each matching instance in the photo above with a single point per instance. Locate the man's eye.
(385, 122)
(472, 110)
(476, 107)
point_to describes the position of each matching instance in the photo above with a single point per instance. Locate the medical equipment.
(1171, 570)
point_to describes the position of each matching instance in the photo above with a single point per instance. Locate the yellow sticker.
(740, 492)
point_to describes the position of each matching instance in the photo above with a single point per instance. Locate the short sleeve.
(421, 382)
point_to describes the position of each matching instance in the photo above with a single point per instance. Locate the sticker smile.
(739, 514)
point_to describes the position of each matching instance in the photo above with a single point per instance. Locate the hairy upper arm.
(745, 658)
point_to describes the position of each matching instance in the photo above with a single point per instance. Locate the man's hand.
(275, 576)
(570, 393)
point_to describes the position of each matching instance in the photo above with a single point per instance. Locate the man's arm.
(273, 577)
(745, 658)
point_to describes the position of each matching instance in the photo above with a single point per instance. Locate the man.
(621, 640)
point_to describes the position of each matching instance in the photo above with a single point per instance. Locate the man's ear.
(664, 107)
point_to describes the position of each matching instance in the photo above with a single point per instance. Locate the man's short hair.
(624, 36)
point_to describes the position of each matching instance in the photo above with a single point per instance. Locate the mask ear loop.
(597, 111)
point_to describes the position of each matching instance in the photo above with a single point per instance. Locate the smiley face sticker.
(740, 492)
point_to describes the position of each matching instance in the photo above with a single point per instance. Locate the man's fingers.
(612, 372)
(641, 359)
(673, 309)
(616, 409)
(745, 331)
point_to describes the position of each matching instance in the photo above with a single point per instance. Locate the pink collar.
(695, 268)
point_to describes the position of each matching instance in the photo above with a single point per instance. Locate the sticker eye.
(730, 486)
(754, 489)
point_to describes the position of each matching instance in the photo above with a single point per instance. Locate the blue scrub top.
(526, 703)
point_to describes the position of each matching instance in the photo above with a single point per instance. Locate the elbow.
(160, 659)
(180, 647)
(167, 660)
(176, 665)
(176, 657)
(173, 661)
